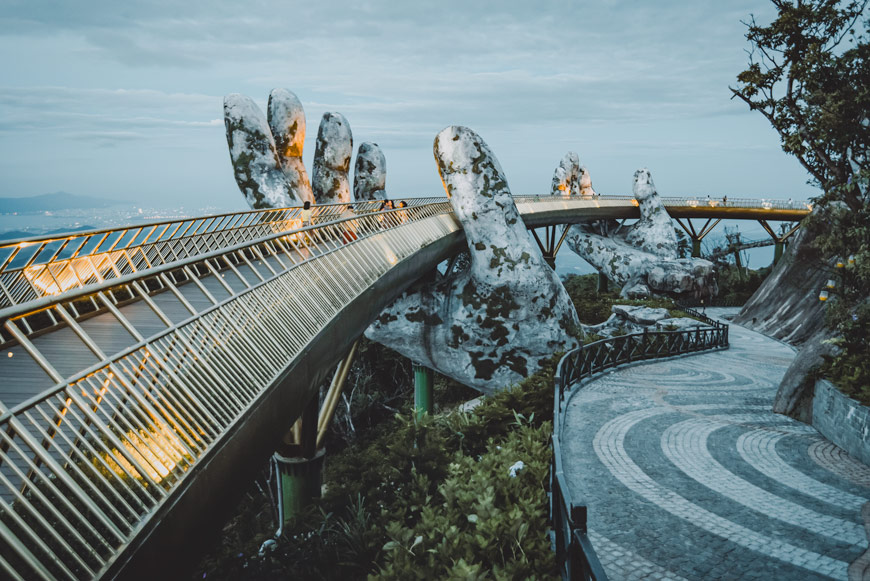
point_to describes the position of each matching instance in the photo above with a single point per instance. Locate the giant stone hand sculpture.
(332, 160)
(369, 173)
(571, 178)
(287, 122)
(256, 165)
(267, 153)
(642, 258)
(496, 322)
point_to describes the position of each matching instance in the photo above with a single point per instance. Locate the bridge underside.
(200, 506)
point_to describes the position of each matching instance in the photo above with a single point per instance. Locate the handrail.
(574, 552)
(85, 463)
(46, 265)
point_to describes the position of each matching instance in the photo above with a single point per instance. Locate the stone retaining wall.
(842, 420)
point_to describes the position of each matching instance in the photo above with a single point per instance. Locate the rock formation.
(369, 173)
(628, 319)
(642, 258)
(495, 322)
(332, 160)
(786, 307)
(256, 165)
(287, 122)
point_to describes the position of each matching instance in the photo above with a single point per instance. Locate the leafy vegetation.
(409, 498)
(736, 285)
(808, 76)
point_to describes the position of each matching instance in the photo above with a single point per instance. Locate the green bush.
(406, 475)
(488, 519)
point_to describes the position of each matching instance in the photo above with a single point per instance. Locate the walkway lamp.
(823, 296)
(851, 259)
(831, 283)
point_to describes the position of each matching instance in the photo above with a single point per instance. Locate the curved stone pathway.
(689, 475)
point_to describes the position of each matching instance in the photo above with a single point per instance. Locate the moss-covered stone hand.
(497, 320)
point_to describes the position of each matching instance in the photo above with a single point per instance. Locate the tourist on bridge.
(306, 214)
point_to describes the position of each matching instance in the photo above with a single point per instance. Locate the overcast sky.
(124, 99)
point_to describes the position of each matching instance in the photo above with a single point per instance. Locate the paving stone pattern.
(689, 475)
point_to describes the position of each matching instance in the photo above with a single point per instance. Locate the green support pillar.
(777, 251)
(602, 283)
(299, 465)
(422, 389)
(299, 481)
(696, 248)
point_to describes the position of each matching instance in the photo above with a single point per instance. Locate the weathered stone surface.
(628, 319)
(842, 420)
(586, 189)
(642, 258)
(369, 173)
(493, 323)
(678, 324)
(794, 397)
(640, 315)
(654, 232)
(566, 178)
(287, 122)
(332, 160)
(256, 165)
(786, 306)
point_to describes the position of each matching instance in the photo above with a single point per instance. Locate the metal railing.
(42, 266)
(86, 462)
(574, 551)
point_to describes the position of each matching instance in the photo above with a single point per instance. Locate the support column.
(422, 390)
(299, 482)
(299, 465)
(696, 235)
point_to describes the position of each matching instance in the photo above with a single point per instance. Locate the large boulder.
(642, 258)
(786, 307)
(369, 173)
(332, 160)
(496, 321)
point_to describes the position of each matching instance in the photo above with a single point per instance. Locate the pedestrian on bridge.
(306, 213)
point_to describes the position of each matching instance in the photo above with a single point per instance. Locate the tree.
(808, 75)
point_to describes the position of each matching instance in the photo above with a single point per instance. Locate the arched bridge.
(149, 370)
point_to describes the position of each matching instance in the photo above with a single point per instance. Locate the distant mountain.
(55, 201)
(17, 234)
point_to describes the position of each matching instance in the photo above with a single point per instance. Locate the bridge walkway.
(689, 475)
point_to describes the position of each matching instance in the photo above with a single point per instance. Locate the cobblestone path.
(689, 475)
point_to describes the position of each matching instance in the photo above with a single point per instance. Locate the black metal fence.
(574, 552)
